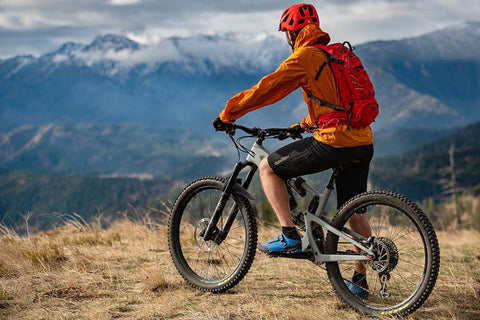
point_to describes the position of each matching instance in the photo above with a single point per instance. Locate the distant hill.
(132, 150)
(423, 172)
(114, 123)
(143, 151)
(49, 197)
(424, 82)
(420, 173)
(401, 140)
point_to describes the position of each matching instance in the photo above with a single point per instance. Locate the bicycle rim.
(205, 264)
(403, 273)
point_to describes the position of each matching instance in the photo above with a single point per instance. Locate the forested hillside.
(424, 172)
(110, 150)
(420, 174)
(45, 200)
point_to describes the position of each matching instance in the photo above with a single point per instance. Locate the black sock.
(360, 279)
(291, 233)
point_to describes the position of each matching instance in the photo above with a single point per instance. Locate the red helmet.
(298, 16)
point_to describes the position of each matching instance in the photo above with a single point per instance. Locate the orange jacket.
(299, 70)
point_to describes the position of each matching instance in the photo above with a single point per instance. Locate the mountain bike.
(213, 235)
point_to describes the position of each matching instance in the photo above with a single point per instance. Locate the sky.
(40, 26)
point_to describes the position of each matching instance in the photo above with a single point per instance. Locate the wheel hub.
(386, 256)
(200, 227)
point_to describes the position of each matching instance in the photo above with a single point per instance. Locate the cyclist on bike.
(326, 149)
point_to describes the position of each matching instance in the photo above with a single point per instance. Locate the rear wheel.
(204, 264)
(404, 270)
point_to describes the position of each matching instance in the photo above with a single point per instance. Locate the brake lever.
(230, 131)
(282, 136)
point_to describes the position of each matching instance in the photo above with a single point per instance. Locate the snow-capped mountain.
(201, 54)
(459, 42)
(427, 81)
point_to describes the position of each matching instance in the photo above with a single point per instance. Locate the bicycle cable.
(240, 147)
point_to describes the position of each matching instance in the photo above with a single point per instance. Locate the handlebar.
(278, 133)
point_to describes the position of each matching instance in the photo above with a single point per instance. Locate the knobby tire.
(409, 213)
(200, 197)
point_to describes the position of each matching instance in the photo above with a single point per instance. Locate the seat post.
(333, 177)
(336, 171)
(328, 190)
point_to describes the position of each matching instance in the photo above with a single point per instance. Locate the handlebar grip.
(253, 130)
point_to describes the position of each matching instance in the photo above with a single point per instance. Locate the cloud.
(200, 53)
(164, 51)
(29, 21)
(124, 2)
(43, 24)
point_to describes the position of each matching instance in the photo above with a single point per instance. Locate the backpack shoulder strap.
(326, 103)
(330, 58)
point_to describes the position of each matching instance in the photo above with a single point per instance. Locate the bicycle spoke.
(398, 268)
(207, 259)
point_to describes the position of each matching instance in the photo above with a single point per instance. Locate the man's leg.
(359, 223)
(350, 182)
(292, 160)
(277, 194)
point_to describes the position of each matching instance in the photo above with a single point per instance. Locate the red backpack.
(358, 106)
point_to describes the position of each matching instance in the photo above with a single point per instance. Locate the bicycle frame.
(232, 186)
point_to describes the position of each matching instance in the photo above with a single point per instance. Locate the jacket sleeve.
(289, 76)
(307, 123)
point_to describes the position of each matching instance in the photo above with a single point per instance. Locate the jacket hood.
(311, 35)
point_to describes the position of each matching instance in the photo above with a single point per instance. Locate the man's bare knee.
(265, 168)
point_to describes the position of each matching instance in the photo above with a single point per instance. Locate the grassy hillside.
(467, 207)
(125, 272)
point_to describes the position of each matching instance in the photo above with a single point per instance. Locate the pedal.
(293, 253)
(290, 254)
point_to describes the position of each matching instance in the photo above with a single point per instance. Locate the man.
(327, 148)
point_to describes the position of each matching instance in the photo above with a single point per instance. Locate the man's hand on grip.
(219, 125)
(296, 131)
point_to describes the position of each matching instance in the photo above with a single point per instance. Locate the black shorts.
(309, 156)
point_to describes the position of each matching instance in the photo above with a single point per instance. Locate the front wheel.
(204, 264)
(402, 274)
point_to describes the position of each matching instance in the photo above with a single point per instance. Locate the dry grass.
(125, 272)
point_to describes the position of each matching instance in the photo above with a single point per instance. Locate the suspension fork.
(212, 232)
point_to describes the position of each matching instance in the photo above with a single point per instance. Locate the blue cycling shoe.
(280, 245)
(358, 291)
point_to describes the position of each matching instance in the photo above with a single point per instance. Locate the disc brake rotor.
(386, 256)
(200, 227)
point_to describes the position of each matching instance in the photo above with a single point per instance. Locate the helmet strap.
(291, 37)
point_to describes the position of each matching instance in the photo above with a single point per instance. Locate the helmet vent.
(298, 16)
(310, 10)
(301, 11)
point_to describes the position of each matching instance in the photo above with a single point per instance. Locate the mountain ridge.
(188, 81)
